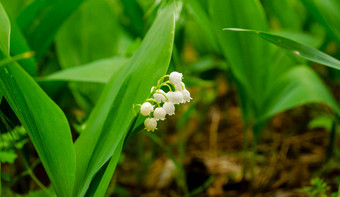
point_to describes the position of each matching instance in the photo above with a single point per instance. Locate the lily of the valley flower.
(169, 108)
(146, 109)
(177, 94)
(175, 78)
(150, 124)
(175, 97)
(159, 96)
(159, 113)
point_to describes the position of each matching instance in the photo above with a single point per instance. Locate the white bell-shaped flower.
(169, 108)
(186, 96)
(146, 109)
(175, 77)
(150, 124)
(180, 86)
(159, 113)
(159, 96)
(175, 97)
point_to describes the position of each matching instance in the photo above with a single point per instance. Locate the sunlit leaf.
(99, 71)
(110, 120)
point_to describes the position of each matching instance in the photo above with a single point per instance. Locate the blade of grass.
(294, 47)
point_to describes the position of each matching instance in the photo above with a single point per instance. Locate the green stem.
(15, 58)
(153, 100)
(161, 79)
(244, 152)
(34, 178)
(167, 84)
(167, 100)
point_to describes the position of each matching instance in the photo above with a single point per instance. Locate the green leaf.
(327, 13)
(90, 34)
(113, 115)
(298, 86)
(99, 71)
(45, 124)
(204, 29)
(294, 47)
(244, 53)
(19, 45)
(4, 30)
(135, 14)
(290, 13)
(41, 20)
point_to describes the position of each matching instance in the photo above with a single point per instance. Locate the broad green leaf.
(99, 71)
(41, 20)
(327, 13)
(110, 120)
(45, 124)
(246, 54)
(4, 30)
(135, 15)
(14, 7)
(102, 180)
(19, 45)
(294, 47)
(90, 34)
(205, 38)
(296, 87)
(290, 13)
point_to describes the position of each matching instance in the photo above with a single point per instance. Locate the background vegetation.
(264, 77)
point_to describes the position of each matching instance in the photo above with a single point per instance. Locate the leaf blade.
(106, 127)
(36, 111)
(5, 30)
(294, 47)
(98, 71)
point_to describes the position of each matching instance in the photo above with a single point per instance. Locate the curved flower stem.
(134, 107)
(153, 100)
(167, 84)
(182, 87)
(160, 80)
(167, 100)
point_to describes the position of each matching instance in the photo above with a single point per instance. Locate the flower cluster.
(153, 107)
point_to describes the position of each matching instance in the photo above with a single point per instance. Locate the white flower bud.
(176, 78)
(159, 97)
(146, 109)
(150, 124)
(186, 96)
(169, 108)
(159, 113)
(175, 97)
(180, 86)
